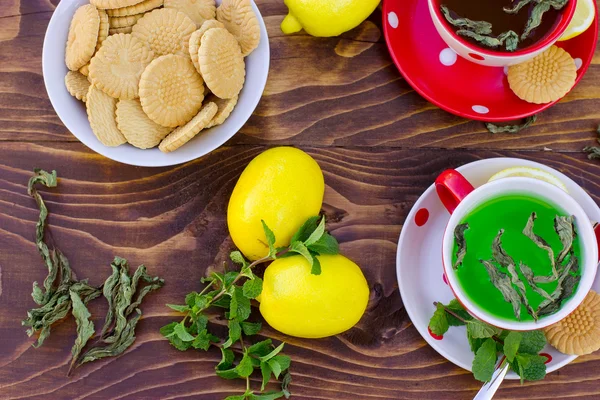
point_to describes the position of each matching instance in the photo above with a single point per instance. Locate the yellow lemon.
(297, 303)
(585, 12)
(284, 187)
(529, 172)
(326, 17)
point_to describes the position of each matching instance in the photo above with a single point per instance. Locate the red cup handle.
(452, 188)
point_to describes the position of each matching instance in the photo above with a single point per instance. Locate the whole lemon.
(283, 186)
(297, 303)
(326, 17)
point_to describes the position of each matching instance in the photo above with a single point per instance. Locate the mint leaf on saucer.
(438, 324)
(481, 330)
(459, 310)
(484, 362)
(511, 345)
(533, 342)
(531, 367)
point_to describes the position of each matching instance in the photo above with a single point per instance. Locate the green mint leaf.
(266, 396)
(168, 330)
(305, 230)
(229, 277)
(300, 248)
(533, 342)
(285, 384)
(239, 397)
(484, 362)
(251, 328)
(533, 366)
(245, 367)
(481, 330)
(327, 244)
(261, 349)
(283, 361)
(227, 357)
(316, 266)
(223, 302)
(228, 374)
(235, 332)
(252, 288)
(238, 258)
(179, 308)
(239, 307)
(200, 322)
(272, 353)
(181, 332)
(190, 299)
(474, 343)
(459, 310)
(317, 233)
(275, 367)
(511, 345)
(270, 239)
(265, 371)
(438, 324)
(202, 340)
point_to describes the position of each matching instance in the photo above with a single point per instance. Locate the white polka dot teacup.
(497, 58)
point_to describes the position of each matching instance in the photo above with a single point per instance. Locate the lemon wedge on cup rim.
(529, 172)
(585, 12)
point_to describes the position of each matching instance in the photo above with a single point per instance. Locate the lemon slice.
(529, 172)
(585, 12)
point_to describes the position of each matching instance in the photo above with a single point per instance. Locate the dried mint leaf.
(510, 39)
(566, 232)
(477, 27)
(503, 283)
(493, 128)
(535, 18)
(540, 242)
(517, 7)
(594, 152)
(459, 238)
(85, 327)
(530, 277)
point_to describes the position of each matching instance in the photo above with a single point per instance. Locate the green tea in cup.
(517, 257)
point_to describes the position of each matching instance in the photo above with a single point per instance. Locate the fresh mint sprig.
(233, 291)
(521, 349)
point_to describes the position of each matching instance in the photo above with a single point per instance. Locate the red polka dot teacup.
(492, 57)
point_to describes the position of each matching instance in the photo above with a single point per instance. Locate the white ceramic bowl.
(538, 189)
(72, 112)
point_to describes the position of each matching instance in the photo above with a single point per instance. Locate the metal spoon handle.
(488, 390)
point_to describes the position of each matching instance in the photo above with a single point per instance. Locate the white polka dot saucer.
(453, 83)
(419, 268)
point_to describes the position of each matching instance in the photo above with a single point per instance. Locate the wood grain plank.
(321, 92)
(173, 220)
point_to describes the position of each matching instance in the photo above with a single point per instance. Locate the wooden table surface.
(380, 146)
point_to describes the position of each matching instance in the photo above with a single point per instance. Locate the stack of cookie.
(157, 72)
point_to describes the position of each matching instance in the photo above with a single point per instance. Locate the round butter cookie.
(239, 19)
(124, 22)
(224, 109)
(85, 70)
(116, 31)
(221, 63)
(196, 37)
(185, 133)
(579, 332)
(107, 4)
(116, 69)
(166, 30)
(545, 78)
(198, 10)
(83, 36)
(101, 114)
(77, 85)
(139, 130)
(171, 90)
(139, 8)
(103, 29)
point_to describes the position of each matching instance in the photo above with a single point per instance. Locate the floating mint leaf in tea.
(540, 242)
(566, 232)
(493, 128)
(530, 277)
(478, 27)
(459, 237)
(517, 7)
(503, 283)
(510, 38)
(535, 19)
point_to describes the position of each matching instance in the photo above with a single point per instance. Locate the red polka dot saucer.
(419, 267)
(453, 83)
